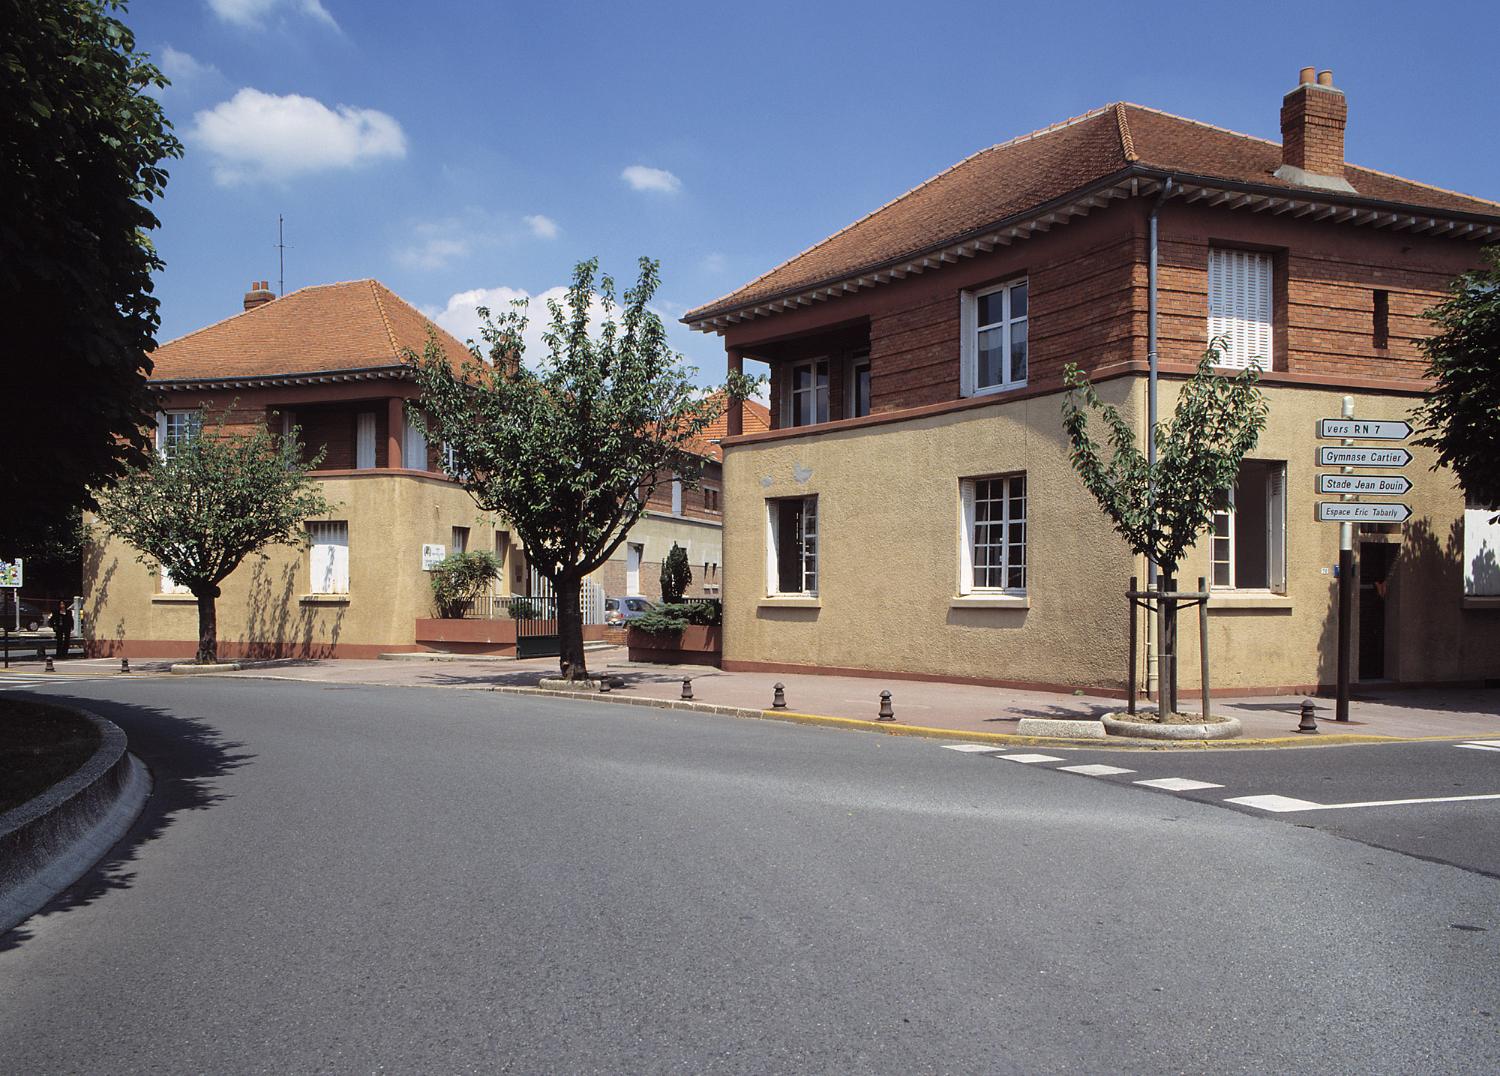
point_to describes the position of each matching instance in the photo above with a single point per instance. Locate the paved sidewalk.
(1457, 712)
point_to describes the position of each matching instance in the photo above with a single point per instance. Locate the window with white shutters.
(1248, 539)
(1239, 307)
(328, 557)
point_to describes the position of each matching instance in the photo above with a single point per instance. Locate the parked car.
(33, 614)
(621, 610)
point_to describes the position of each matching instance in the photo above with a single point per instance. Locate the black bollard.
(604, 685)
(49, 664)
(687, 687)
(1308, 724)
(778, 702)
(124, 664)
(886, 713)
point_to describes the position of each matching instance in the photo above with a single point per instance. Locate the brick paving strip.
(1450, 712)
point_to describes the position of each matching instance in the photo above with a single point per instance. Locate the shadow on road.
(184, 756)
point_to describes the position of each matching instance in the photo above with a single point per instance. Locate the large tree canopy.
(83, 145)
(568, 447)
(198, 512)
(1461, 417)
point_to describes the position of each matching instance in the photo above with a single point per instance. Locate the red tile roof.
(757, 420)
(1027, 172)
(329, 327)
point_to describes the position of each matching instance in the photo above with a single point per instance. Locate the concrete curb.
(189, 668)
(1000, 739)
(49, 842)
(1224, 729)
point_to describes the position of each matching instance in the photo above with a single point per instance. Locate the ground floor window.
(328, 557)
(994, 534)
(793, 547)
(1249, 530)
(1481, 550)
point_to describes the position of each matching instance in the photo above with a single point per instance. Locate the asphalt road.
(348, 879)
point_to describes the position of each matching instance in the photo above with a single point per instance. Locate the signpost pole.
(1346, 595)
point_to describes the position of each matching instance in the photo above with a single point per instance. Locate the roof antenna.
(281, 252)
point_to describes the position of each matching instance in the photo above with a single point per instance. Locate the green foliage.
(1461, 416)
(676, 576)
(568, 448)
(81, 148)
(523, 609)
(670, 619)
(460, 578)
(219, 498)
(1161, 510)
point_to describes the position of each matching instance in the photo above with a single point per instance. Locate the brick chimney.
(1312, 133)
(259, 294)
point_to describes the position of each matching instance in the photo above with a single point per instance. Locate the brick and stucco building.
(913, 511)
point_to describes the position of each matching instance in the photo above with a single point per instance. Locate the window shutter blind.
(1239, 306)
(329, 559)
(966, 538)
(968, 351)
(414, 451)
(1276, 529)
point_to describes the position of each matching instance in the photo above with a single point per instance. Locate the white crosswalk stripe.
(32, 680)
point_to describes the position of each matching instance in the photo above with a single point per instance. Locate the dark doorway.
(1375, 561)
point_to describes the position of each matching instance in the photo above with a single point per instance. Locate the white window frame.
(1227, 543)
(968, 489)
(860, 360)
(328, 556)
(167, 439)
(789, 404)
(1242, 306)
(969, 338)
(676, 495)
(460, 539)
(808, 552)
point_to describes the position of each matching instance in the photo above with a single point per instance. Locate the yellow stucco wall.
(889, 532)
(265, 609)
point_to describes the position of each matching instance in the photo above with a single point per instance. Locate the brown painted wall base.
(699, 644)
(184, 649)
(927, 678)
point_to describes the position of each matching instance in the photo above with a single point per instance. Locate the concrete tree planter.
(1219, 728)
(696, 644)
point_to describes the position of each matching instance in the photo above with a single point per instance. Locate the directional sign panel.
(10, 573)
(1338, 456)
(1380, 485)
(1364, 429)
(1354, 512)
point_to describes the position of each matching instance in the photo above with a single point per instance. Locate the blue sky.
(457, 150)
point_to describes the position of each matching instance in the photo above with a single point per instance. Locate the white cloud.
(642, 178)
(184, 71)
(433, 252)
(542, 227)
(715, 262)
(261, 135)
(256, 13)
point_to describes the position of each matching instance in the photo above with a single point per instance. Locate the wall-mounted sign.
(1367, 429)
(10, 573)
(1355, 512)
(432, 556)
(1380, 485)
(1337, 456)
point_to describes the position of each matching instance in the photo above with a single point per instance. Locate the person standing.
(61, 623)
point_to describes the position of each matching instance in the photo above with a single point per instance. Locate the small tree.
(676, 576)
(1162, 508)
(460, 578)
(209, 504)
(1461, 416)
(569, 450)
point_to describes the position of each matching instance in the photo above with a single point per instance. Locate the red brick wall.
(692, 499)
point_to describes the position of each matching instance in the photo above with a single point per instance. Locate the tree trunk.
(208, 627)
(568, 587)
(1167, 648)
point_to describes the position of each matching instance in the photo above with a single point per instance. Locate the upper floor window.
(994, 348)
(807, 393)
(175, 429)
(1239, 306)
(364, 440)
(676, 495)
(710, 499)
(1248, 545)
(859, 384)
